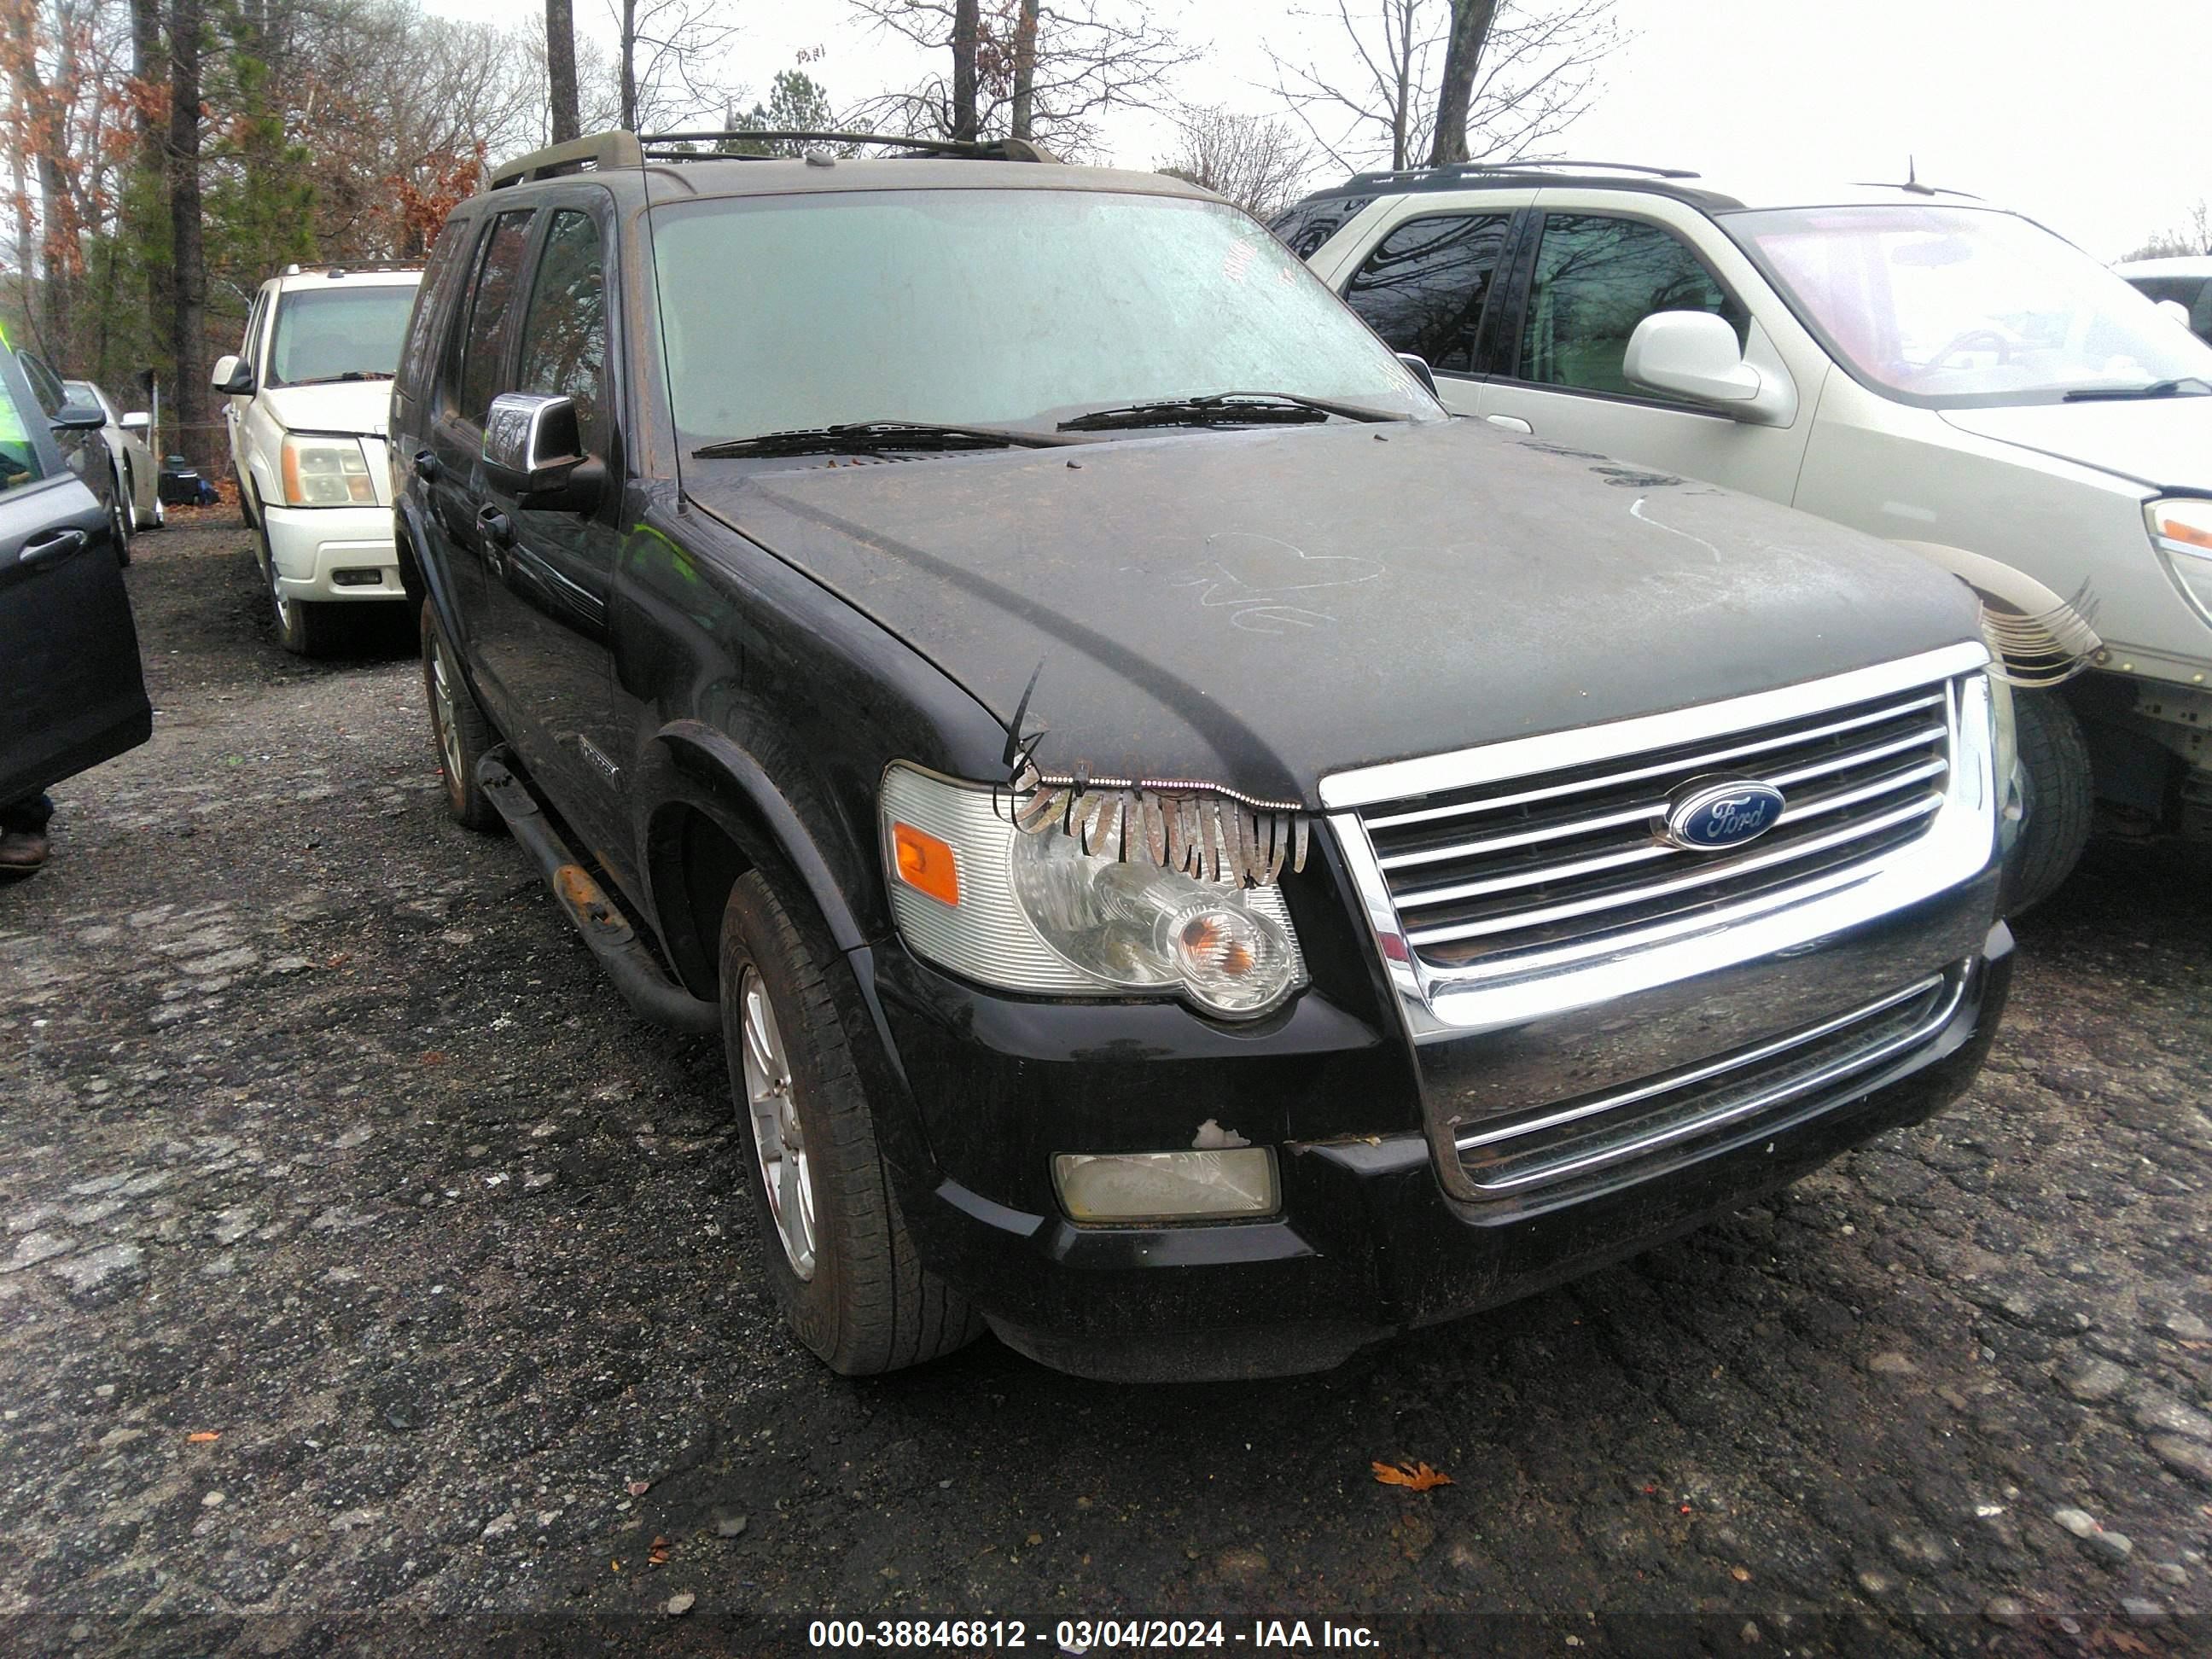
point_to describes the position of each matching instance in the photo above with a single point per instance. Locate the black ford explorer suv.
(1199, 860)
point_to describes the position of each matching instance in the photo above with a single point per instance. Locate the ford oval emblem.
(1708, 815)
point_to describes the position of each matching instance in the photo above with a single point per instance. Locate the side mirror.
(533, 451)
(233, 377)
(137, 421)
(2175, 310)
(1692, 355)
(78, 417)
(1422, 372)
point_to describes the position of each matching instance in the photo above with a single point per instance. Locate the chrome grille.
(1529, 865)
(1742, 1091)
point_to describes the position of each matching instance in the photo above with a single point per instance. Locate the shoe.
(22, 852)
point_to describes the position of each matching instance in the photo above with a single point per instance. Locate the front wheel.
(118, 523)
(831, 1238)
(2061, 797)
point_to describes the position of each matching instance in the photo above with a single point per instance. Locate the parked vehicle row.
(1912, 362)
(1198, 860)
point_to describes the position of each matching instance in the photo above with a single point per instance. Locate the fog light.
(357, 576)
(1126, 1187)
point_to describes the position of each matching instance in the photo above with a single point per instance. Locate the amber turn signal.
(926, 863)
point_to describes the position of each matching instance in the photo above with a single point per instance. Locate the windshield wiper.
(350, 375)
(1224, 409)
(2089, 394)
(867, 437)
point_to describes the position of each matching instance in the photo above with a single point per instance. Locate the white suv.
(307, 400)
(1908, 361)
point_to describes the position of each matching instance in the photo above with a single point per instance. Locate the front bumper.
(333, 554)
(1370, 1240)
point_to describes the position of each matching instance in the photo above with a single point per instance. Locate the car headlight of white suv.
(326, 472)
(1036, 913)
(2181, 527)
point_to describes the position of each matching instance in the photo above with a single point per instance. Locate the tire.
(302, 627)
(118, 525)
(459, 729)
(2060, 797)
(857, 1296)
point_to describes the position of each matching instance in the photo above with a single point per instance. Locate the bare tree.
(1258, 161)
(187, 238)
(1376, 94)
(1040, 69)
(560, 70)
(1470, 33)
(668, 51)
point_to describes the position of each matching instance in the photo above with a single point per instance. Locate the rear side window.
(430, 307)
(564, 334)
(1423, 287)
(1596, 278)
(1305, 227)
(476, 382)
(19, 451)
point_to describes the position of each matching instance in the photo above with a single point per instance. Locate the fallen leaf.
(1741, 1575)
(434, 1057)
(201, 1436)
(1417, 1477)
(639, 1488)
(339, 960)
(614, 1567)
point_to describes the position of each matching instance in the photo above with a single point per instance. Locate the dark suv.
(1199, 860)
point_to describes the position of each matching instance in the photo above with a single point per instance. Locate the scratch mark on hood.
(1636, 511)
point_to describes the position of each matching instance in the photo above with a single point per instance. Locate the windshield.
(991, 307)
(1960, 307)
(326, 333)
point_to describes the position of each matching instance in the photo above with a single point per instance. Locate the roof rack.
(600, 152)
(1477, 169)
(597, 151)
(979, 150)
(347, 267)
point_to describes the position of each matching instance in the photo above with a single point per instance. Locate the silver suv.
(1913, 362)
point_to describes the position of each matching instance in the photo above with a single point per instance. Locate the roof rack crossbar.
(992, 150)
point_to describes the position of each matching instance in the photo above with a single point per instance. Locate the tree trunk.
(560, 69)
(193, 440)
(966, 26)
(148, 189)
(1401, 110)
(1470, 31)
(629, 66)
(1025, 46)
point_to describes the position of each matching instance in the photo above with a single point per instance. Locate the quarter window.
(564, 334)
(1424, 288)
(497, 273)
(1596, 278)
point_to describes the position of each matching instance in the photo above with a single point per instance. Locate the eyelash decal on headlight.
(1190, 825)
(1197, 828)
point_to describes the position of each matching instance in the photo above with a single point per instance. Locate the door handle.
(497, 528)
(51, 549)
(428, 466)
(1510, 422)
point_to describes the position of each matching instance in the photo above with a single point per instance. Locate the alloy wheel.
(779, 1140)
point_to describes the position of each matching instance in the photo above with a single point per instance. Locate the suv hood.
(1261, 609)
(332, 406)
(2161, 443)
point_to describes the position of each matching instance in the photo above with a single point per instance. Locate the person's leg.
(23, 845)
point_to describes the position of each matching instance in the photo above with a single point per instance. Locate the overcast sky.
(2070, 112)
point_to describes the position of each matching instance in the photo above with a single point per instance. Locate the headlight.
(326, 472)
(1036, 913)
(2181, 528)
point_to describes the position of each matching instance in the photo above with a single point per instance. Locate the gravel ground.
(372, 1281)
